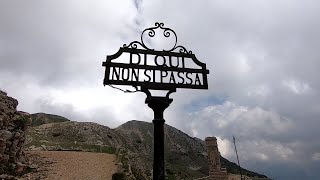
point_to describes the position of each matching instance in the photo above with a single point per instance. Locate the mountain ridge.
(43, 118)
(185, 156)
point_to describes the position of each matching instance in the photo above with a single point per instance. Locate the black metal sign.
(149, 68)
(153, 69)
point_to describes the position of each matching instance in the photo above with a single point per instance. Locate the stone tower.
(215, 170)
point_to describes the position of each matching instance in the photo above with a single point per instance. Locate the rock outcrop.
(13, 127)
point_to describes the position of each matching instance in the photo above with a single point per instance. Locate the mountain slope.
(185, 157)
(42, 118)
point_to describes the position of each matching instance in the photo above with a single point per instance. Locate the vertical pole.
(235, 148)
(158, 105)
(158, 152)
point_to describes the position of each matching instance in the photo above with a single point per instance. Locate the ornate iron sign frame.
(168, 64)
(161, 74)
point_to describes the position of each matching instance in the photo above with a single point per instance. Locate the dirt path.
(66, 165)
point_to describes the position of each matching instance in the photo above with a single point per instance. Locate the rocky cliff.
(13, 127)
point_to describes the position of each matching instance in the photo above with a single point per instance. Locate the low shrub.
(119, 176)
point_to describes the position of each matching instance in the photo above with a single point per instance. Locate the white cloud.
(242, 64)
(232, 118)
(263, 156)
(259, 91)
(225, 147)
(297, 87)
(316, 156)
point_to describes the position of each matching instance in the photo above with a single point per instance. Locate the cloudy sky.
(263, 58)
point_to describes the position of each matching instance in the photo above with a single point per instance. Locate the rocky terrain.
(13, 129)
(132, 142)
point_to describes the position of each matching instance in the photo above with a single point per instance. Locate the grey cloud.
(58, 42)
(100, 115)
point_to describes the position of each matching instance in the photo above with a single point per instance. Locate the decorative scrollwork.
(151, 33)
(182, 49)
(134, 45)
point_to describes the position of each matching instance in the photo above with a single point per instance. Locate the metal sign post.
(148, 69)
(158, 105)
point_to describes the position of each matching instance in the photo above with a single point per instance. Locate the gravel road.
(67, 165)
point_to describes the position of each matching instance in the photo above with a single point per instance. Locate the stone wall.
(13, 127)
